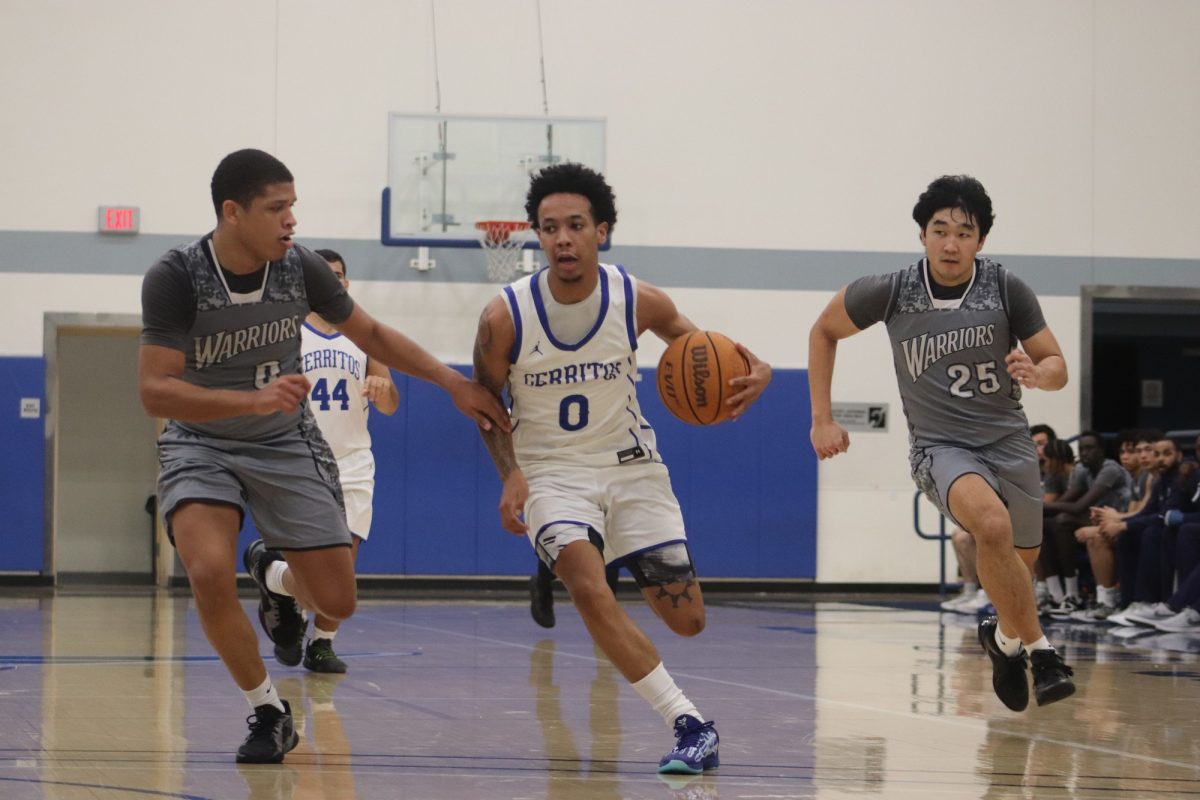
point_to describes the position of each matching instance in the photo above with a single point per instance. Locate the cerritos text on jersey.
(922, 351)
(575, 373)
(223, 345)
(332, 359)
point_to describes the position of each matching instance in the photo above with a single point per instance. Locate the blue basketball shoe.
(696, 745)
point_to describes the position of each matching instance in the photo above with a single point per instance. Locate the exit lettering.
(118, 219)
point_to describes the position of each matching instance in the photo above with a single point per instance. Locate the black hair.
(1151, 435)
(1092, 434)
(243, 175)
(1060, 451)
(956, 191)
(1046, 429)
(333, 255)
(1128, 436)
(570, 178)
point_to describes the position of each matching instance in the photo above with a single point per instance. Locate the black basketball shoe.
(1008, 672)
(541, 600)
(279, 614)
(272, 734)
(319, 657)
(1051, 677)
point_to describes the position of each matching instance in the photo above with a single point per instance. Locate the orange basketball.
(694, 374)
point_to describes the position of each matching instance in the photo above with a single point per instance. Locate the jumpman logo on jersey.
(537, 348)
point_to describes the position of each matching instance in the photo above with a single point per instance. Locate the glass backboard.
(448, 172)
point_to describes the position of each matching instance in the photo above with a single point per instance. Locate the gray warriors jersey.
(243, 345)
(949, 355)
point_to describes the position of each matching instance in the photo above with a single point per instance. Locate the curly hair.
(570, 178)
(956, 191)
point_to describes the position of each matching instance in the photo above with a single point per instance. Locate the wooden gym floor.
(117, 695)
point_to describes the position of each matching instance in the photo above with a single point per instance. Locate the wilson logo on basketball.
(700, 374)
(694, 374)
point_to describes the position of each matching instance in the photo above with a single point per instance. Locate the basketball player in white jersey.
(345, 383)
(583, 478)
(955, 322)
(220, 359)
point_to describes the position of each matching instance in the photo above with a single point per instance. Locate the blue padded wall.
(22, 471)
(748, 489)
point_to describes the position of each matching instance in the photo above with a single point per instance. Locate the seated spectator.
(1191, 464)
(1057, 462)
(1146, 544)
(1101, 540)
(1147, 459)
(1095, 480)
(1043, 435)
(1185, 602)
(1131, 462)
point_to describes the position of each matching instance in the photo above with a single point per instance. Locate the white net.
(502, 242)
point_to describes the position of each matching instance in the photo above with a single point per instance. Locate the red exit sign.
(119, 219)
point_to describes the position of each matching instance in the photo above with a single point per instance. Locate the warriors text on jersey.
(574, 386)
(237, 332)
(950, 354)
(337, 374)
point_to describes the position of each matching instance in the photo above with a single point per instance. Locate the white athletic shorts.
(630, 507)
(357, 472)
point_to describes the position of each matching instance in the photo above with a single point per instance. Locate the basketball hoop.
(502, 248)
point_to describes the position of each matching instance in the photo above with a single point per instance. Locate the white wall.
(787, 124)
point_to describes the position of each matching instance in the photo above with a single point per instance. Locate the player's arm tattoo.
(489, 375)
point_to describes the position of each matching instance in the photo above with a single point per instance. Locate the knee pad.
(665, 565)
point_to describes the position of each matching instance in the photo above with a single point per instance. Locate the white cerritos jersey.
(575, 401)
(337, 373)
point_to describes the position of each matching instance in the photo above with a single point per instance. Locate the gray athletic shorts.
(1010, 466)
(290, 483)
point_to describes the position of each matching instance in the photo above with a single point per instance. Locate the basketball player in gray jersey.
(966, 336)
(220, 359)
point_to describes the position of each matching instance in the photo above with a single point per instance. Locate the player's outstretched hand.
(480, 404)
(512, 503)
(751, 385)
(1022, 369)
(829, 439)
(376, 388)
(285, 394)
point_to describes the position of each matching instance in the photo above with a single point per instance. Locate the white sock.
(1107, 595)
(1054, 584)
(1010, 647)
(970, 588)
(264, 695)
(275, 572)
(1040, 644)
(659, 690)
(320, 634)
(1072, 585)
(1040, 590)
